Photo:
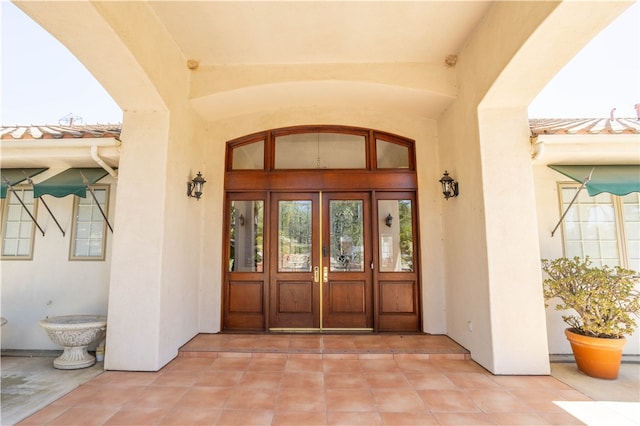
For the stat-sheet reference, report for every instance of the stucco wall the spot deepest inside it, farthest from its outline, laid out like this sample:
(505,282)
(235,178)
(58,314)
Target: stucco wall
(50,284)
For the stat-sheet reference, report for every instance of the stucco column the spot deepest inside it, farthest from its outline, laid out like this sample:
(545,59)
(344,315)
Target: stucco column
(516,304)
(133,329)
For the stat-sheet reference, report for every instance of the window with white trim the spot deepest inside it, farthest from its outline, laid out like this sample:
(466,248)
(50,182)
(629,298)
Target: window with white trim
(631,218)
(89,226)
(18,229)
(604,227)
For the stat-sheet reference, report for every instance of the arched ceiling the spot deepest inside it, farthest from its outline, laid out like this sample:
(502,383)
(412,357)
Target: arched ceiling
(256,56)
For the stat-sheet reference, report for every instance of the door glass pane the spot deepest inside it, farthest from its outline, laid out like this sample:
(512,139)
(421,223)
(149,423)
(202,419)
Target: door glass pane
(396,235)
(246,250)
(294,236)
(249,156)
(320,151)
(391,155)
(346,235)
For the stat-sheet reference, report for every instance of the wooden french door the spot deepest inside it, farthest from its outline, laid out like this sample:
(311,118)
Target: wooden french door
(321,261)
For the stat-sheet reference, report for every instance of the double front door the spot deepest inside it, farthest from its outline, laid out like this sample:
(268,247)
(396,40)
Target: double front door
(321,261)
(310,261)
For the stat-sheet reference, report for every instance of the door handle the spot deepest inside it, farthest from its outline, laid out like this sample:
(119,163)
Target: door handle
(316,274)
(325,274)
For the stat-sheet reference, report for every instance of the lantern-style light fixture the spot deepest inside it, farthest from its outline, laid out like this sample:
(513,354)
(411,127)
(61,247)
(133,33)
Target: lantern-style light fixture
(449,186)
(194,188)
(388,220)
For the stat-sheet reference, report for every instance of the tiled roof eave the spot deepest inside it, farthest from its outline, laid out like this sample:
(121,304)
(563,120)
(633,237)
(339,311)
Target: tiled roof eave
(585,126)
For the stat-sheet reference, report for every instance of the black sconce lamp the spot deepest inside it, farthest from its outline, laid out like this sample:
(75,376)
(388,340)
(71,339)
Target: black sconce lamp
(194,188)
(449,186)
(388,220)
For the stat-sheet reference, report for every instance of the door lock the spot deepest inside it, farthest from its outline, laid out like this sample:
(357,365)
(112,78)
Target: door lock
(325,274)
(316,274)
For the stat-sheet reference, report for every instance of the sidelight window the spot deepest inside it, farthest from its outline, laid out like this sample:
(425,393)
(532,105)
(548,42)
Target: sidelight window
(396,235)
(246,249)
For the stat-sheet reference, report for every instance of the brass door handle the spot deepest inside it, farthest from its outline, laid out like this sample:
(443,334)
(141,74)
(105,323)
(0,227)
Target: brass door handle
(316,274)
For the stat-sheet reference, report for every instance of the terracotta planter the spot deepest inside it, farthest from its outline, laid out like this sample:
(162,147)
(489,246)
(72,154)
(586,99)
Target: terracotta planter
(596,357)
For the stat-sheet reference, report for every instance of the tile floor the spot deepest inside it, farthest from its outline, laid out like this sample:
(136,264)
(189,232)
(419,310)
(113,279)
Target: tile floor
(314,380)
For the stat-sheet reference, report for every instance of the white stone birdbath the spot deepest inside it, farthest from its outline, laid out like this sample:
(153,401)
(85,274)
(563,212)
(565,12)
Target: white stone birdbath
(75,333)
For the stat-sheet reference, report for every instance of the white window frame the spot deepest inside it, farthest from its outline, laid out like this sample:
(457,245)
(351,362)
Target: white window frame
(618,217)
(74,231)
(24,217)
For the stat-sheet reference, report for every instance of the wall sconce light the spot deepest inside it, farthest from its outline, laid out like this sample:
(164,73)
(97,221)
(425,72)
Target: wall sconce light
(241,219)
(449,186)
(194,188)
(388,220)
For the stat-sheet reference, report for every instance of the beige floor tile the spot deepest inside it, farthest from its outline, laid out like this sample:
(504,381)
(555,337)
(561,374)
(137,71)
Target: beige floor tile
(137,416)
(298,379)
(304,365)
(190,364)
(197,398)
(230,364)
(267,364)
(176,378)
(219,378)
(298,399)
(453,401)
(345,381)
(497,401)
(251,399)
(463,419)
(386,380)
(189,416)
(246,417)
(398,400)
(111,395)
(350,400)
(458,366)
(259,379)
(341,365)
(379,365)
(430,381)
(423,366)
(560,418)
(422,418)
(126,378)
(84,416)
(83,394)
(346,418)
(157,397)
(511,419)
(45,415)
(299,418)
(473,380)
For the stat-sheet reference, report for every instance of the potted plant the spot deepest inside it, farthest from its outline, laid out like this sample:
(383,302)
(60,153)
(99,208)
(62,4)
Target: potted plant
(605,300)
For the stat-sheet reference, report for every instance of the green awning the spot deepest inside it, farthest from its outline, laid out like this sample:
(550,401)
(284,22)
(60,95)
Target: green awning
(16,176)
(620,179)
(69,182)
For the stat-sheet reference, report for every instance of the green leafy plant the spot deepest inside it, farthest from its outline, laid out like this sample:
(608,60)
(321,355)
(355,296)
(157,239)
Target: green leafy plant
(605,299)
